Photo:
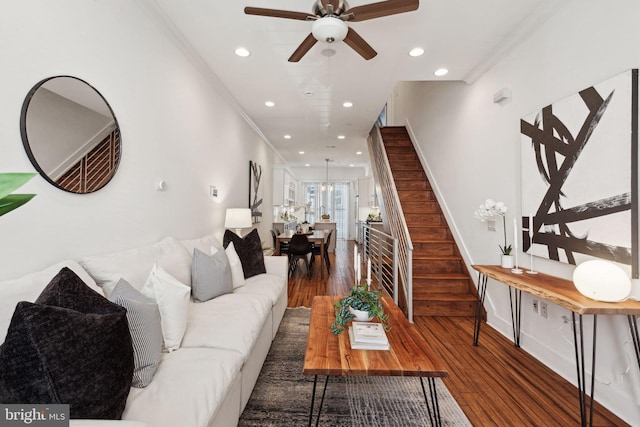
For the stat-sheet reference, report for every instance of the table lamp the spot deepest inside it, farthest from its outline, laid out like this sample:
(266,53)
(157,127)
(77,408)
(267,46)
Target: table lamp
(238,218)
(602,281)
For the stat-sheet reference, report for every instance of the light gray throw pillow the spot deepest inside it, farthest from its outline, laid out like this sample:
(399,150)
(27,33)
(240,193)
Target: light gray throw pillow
(143,316)
(210,275)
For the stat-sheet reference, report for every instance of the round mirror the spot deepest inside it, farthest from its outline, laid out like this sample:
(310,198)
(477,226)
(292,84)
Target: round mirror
(70,134)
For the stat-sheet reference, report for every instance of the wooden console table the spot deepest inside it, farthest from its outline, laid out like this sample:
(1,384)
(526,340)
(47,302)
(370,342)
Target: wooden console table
(563,293)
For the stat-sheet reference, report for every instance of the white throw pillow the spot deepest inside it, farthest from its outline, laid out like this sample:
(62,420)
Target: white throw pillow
(237,275)
(172,297)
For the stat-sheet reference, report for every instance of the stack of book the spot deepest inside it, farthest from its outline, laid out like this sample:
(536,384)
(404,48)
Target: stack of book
(368,336)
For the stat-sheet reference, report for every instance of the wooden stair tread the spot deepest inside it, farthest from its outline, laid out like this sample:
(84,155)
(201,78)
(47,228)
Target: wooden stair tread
(444,276)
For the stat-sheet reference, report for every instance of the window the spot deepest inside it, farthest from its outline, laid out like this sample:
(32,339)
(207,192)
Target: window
(335,203)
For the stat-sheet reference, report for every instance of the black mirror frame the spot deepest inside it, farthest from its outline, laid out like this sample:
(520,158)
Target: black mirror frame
(27,146)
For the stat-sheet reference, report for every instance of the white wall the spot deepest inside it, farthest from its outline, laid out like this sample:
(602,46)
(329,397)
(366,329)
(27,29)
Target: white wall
(472,147)
(175,123)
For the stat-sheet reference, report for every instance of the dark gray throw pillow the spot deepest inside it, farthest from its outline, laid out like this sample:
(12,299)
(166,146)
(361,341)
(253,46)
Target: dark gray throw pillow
(143,316)
(210,275)
(71,346)
(249,249)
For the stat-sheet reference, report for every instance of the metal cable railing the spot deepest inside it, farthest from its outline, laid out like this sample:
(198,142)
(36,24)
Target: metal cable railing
(382,249)
(393,214)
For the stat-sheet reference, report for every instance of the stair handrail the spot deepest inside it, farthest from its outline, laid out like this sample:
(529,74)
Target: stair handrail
(393,213)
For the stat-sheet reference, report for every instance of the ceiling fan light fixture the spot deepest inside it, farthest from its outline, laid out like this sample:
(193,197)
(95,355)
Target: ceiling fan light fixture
(329,29)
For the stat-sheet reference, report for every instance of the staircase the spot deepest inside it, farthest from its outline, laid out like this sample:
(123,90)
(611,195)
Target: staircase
(442,285)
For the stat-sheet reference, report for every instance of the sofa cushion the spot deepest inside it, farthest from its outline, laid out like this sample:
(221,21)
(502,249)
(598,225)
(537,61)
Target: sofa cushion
(249,249)
(210,275)
(237,275)
(268,285)
(28,287)
(172,298)
(204,244)
(72,346)
(134,265)
(143,316)
(188,389)
(231,322)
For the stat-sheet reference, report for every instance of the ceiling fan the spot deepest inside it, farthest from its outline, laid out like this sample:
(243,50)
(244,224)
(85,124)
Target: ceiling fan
(329,24)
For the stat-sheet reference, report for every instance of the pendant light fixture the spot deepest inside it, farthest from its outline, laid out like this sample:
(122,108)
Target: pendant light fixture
(326,184)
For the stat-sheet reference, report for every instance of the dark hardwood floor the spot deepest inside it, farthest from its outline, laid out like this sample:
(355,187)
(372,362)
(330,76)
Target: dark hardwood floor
(495,383)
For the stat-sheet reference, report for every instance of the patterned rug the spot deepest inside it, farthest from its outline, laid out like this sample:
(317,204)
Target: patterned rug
(282,395)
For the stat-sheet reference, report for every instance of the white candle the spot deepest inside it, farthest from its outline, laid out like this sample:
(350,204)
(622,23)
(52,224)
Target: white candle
(515,235)
(359,262)
(355,263)
(530,227)
(369,272)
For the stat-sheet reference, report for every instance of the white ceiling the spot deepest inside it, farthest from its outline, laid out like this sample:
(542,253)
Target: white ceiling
(465,36)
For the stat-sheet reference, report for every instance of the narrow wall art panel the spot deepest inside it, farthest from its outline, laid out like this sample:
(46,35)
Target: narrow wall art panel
(580,175)
(255,191)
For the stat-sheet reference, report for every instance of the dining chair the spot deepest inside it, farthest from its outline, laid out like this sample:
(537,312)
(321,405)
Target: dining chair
(284,246)
(315,250)
(299,248)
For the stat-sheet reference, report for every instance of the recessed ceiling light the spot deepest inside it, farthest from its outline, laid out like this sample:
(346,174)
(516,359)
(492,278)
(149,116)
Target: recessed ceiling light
(287,137)
(270,104)
(242,52)
(308,93)
(351,165)
(416,51)
(359,153)
(347,104)
(440,72)
(341,137)
(300,152)
(307,164)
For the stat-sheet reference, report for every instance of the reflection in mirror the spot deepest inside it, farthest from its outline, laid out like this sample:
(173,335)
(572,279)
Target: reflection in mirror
(70,134)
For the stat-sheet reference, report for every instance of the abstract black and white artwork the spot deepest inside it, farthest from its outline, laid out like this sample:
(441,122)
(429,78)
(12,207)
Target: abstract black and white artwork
(580,175)
(255,191)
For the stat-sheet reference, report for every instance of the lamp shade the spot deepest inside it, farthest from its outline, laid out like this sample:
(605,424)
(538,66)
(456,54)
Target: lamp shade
(329,29)
(602,281)
(238,218)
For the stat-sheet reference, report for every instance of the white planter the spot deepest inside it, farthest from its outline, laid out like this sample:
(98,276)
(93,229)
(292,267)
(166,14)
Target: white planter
(506,261)
(361,316)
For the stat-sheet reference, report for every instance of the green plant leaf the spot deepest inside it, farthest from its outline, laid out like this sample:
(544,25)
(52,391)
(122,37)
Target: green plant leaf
(13,201)
(9,182)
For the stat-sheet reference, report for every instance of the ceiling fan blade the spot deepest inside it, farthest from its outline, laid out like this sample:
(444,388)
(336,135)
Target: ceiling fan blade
(303,48)
(274,13)
(380,9)
(358,44)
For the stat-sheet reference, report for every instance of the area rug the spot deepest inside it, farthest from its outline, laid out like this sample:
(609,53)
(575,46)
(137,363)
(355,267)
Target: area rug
(282,395)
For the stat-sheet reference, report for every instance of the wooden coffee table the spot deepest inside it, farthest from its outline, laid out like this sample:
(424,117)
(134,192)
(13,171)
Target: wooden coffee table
(331,355)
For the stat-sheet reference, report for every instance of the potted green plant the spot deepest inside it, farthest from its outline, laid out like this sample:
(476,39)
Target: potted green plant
(8,183)
(359,299)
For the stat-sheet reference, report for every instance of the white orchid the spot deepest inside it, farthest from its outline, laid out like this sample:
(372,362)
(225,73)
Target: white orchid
(491,209)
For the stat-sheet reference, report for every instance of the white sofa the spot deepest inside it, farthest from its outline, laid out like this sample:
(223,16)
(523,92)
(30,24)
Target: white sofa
(209,379)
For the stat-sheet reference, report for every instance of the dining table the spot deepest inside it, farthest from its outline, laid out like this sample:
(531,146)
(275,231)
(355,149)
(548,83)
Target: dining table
(318,237)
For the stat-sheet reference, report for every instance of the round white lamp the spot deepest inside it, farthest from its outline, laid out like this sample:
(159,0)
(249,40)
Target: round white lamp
(602,281)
